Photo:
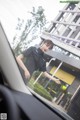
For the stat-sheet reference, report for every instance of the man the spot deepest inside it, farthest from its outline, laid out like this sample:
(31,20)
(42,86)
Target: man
(34,60)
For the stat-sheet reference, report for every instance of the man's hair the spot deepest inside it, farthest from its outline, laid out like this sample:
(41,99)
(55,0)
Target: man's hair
(49,43)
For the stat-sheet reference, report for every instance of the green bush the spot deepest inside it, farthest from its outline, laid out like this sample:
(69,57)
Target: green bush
(40,90)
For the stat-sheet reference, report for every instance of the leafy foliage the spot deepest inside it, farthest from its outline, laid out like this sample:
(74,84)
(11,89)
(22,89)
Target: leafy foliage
(29,30)
(40,90)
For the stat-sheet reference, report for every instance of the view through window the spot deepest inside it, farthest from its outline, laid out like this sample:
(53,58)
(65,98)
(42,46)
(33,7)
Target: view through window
(46,44)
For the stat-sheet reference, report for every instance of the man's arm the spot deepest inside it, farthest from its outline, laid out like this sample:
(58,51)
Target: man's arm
(21,64)
(51,77)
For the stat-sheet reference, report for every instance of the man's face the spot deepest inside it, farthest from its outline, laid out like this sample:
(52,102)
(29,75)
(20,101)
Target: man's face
(45,47)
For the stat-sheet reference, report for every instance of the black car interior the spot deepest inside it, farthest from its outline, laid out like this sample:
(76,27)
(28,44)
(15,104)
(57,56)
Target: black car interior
(22,106)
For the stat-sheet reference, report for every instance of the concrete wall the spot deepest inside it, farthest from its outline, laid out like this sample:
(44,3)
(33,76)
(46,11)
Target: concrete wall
(72,88)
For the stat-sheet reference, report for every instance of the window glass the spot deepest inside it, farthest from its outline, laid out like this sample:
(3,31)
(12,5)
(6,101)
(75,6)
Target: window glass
(25,26)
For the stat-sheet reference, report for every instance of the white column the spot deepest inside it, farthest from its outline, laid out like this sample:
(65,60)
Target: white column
(54,73)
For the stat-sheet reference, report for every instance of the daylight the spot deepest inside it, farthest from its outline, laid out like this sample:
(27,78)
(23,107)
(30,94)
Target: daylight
(11,10)
(40,54)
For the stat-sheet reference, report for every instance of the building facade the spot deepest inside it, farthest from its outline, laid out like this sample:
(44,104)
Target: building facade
(64,31)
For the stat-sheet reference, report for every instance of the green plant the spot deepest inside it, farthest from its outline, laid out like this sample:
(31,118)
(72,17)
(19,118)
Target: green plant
(40,90)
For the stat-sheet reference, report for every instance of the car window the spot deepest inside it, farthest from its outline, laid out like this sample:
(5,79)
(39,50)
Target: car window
(53,75)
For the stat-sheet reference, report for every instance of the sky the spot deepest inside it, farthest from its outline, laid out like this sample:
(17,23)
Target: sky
(10,10)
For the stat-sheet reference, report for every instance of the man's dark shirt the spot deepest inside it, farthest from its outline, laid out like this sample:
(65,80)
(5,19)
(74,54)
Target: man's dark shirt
(34,59)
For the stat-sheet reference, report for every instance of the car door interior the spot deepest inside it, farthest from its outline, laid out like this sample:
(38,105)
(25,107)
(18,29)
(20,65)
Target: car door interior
(8,104)
(15,98)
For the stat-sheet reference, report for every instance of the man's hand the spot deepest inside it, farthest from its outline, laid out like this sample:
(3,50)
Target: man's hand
(51,77)
(57,81)
(27,74)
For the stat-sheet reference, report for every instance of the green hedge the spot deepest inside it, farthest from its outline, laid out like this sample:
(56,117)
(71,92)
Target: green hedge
(40,90)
